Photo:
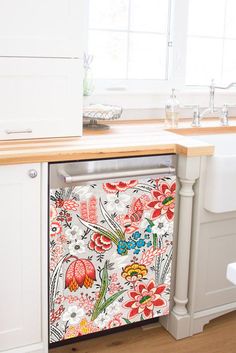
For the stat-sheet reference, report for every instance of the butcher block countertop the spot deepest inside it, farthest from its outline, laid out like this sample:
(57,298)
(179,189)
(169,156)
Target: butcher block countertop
(122,140)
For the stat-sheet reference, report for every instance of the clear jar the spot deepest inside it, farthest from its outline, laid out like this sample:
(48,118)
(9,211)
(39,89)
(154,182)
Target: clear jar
(172,111)
(88,83)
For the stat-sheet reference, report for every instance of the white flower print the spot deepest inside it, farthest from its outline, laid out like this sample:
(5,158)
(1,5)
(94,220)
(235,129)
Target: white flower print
(77,247)
(83,192)
(120,261)
(73,315)
(102,320)
(74,233)
(161,226)
(113,309)
(144,224)
(117,203)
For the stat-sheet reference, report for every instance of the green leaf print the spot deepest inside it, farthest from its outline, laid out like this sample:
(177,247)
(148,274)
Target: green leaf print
(101,305)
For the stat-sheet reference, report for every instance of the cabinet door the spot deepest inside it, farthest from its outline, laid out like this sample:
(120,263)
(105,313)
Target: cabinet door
(40,98)
(43,28)
(20,263)
(216,250)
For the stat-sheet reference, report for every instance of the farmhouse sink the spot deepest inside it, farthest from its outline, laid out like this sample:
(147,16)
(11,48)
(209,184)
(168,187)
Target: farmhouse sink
(220,191)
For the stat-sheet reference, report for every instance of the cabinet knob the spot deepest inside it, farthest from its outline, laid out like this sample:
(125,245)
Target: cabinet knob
(33,173)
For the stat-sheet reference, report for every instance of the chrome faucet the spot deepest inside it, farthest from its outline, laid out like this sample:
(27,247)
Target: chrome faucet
(223,112)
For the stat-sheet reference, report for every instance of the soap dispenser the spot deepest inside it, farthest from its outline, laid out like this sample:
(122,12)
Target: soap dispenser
(172,110)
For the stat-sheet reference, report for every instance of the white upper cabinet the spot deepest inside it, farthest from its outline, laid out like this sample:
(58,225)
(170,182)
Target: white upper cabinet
(40,97)
(42,28)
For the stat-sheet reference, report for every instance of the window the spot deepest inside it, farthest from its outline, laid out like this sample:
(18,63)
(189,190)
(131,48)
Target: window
(156,44)
(211,43)
(129,38)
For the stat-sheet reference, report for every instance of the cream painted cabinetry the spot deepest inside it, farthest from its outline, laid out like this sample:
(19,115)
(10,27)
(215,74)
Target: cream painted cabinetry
(42,28)
(41,68)
(213,248)
(23,306)
(206,244)
(40,97)
(216,249)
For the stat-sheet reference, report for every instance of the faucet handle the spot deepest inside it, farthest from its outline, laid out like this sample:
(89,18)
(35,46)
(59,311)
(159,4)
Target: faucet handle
(196,116)
(224,116)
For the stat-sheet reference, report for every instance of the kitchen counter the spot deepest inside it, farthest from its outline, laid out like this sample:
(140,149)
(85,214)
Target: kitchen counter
(123,139)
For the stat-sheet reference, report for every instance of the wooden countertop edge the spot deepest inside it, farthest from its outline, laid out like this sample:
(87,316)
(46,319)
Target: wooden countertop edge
(40,157)
(83,154)
(205,130)
(195,151)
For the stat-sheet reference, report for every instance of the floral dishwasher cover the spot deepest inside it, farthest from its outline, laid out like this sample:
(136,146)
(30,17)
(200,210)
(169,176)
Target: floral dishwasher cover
(110,254)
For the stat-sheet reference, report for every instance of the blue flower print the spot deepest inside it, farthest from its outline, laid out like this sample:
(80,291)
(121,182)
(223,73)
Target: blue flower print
(148,229)
(131,244)
(136,251)
(121,247)
(136,235)
(149,244)
(147,236)
(140,243)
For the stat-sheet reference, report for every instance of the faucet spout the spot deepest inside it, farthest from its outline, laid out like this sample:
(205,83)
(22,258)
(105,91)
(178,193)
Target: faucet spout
(211,110)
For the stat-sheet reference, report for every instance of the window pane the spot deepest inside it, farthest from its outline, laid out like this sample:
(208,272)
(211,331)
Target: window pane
(204,60)
(229,68)
(110,54)
(109,14)
(149,15)
(230,22)
(206,17)
(128,38)
(147,57)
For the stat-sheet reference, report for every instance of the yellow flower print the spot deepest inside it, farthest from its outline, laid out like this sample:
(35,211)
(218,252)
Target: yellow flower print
(134,272)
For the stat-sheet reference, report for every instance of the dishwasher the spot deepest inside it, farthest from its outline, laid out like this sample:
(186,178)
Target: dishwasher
(110,244)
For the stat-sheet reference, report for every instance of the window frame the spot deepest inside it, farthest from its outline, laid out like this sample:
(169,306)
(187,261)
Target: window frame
(139,85)
(130,91)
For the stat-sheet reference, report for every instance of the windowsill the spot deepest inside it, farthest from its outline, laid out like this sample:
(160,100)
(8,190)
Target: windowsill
(150,104)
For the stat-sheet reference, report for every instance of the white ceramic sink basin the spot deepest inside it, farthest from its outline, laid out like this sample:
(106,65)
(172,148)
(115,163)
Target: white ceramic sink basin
(220,192)
(231,273)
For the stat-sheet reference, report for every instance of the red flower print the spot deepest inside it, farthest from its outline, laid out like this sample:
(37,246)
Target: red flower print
(59,203)
(92,209)
(56,314)
(99,243)
(144,298)
(70,205)
(119,186)
(132,220)
(80,272)
(164,201)
(55,229)
(115,322)
(88,210)
(149,254)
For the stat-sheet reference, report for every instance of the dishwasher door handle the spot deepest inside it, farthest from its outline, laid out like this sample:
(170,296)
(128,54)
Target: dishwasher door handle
(113,175)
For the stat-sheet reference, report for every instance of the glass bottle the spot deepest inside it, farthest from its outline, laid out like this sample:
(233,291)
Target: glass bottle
(88,82)
(172,110)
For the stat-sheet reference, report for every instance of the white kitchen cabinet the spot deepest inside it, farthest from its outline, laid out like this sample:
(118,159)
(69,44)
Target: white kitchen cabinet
(40,97)
(206,245)
(21,259)
(217,248)
(42,28)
